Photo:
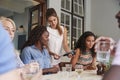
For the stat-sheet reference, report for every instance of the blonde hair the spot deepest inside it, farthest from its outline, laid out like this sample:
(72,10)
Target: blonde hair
(2,19)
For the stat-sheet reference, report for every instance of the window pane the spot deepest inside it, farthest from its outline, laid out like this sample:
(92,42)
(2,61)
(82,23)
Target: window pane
(35,17)
(68,4)
(62,3)
(74,32)
(75,1)
(74,22)
(80,10)
(79,33)
(67,19)
(80,2)
(75,8)
(62,18)
(79,23)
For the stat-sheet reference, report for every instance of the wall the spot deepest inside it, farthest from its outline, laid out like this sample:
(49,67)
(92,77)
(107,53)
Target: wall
(103,20)
(56,4)
(20,19)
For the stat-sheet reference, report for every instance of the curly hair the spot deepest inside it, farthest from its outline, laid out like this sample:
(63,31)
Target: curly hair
(35,36)
(81,43)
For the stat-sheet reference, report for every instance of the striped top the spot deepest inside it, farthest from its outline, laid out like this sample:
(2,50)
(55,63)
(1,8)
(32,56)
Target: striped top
(85,58)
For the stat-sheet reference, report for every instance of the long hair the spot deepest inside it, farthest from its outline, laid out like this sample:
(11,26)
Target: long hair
(35,36)
(81,43)
(51,12)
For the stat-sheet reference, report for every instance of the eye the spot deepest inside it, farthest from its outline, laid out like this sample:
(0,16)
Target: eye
(13,30)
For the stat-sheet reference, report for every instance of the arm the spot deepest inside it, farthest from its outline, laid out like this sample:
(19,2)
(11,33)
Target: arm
(75,58)
(94,62)
(12,75)
(25,56)
(65,43)
(17,74)
(50,70)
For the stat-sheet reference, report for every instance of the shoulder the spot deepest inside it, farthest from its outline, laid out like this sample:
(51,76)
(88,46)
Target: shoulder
(78,52)
(63,28)
(46,50)
(27,50)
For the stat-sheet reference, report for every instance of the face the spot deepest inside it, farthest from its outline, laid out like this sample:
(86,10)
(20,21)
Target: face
(10,28)
(90,40)
(52,21)
(118,18)
(45,38)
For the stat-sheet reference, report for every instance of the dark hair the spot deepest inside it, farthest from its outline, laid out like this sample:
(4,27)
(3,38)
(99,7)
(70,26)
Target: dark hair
(51,12)
(81,42)
(34,36)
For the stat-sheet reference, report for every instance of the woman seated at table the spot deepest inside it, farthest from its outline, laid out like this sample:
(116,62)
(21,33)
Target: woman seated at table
(85,54)
(34,49)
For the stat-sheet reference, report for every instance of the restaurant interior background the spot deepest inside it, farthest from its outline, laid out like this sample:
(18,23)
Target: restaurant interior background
(78,16)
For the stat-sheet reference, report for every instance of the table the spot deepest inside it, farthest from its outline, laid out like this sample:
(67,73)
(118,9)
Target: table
(85,75)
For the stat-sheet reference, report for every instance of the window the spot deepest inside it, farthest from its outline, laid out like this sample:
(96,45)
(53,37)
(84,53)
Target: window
(72,16)
(78,7)
(66,5)
(65,21)
(77,28)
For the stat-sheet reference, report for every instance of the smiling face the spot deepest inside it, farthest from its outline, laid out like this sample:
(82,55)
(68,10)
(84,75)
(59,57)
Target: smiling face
(44,38)
(90,40)
(10,28)
(52,20)
(118,18)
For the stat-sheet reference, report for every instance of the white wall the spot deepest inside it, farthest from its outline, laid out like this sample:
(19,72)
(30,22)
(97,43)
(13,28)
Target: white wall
(103,20)
(87,20)
(56,4)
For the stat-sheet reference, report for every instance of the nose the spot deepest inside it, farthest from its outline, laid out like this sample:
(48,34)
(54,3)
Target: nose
(9,31)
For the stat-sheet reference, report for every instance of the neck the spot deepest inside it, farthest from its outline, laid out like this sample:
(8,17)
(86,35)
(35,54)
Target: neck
(38,45)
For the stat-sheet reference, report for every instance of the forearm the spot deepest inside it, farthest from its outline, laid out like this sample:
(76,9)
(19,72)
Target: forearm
(50,70)
(66,48)
(51,53)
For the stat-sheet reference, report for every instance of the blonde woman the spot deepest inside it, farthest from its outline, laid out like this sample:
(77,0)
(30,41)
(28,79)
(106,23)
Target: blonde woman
(10,27)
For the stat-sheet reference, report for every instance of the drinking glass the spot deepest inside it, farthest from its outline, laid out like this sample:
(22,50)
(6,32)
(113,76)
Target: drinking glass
(79,68)
(30,70)
(103,51)
(68,67)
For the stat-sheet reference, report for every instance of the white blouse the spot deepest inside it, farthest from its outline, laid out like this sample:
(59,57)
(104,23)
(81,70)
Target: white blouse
(55,42)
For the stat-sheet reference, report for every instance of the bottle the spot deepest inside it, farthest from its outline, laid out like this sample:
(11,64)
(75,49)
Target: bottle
(71,52)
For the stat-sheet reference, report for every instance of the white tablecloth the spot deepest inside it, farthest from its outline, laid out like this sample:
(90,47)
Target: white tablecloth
(85,75)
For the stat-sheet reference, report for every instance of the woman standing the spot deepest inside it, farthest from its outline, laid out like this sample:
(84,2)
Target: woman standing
(57,36)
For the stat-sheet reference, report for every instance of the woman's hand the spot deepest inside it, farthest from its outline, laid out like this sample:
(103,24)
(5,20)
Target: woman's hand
(56,56)
(109,39)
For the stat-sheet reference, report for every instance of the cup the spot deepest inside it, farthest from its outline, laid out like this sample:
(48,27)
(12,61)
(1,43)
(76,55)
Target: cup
(30,70)
(68,67)
(103,51)
(34,66)
(78,68)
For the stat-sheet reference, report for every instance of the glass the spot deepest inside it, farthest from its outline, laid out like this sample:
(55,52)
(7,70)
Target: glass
(30,70)
(78,68)
(103,51)
(68,67)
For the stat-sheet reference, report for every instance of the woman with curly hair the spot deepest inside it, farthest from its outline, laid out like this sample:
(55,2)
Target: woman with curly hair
(85,54)
(34,49)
